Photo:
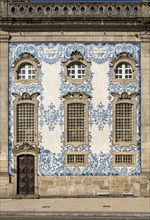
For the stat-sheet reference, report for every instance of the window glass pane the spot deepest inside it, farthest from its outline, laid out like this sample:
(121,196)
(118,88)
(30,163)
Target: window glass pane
(26,71)
(76,70)
(123,71)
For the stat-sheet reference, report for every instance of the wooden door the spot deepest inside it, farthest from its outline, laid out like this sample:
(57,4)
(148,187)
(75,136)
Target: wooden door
(25,174)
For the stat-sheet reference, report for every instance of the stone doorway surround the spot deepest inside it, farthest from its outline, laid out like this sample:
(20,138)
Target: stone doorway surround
(26,149)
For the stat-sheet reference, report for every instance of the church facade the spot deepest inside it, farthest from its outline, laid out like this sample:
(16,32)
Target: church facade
(74,113)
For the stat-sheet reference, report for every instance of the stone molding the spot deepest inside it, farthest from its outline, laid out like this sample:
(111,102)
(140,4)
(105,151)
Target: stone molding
(22,99)
(133,164)
(76,57)
(75,164)
(125,98)
(73,9)
(124,58)
(21,60)
(76,97)
(135,16)
(25,147)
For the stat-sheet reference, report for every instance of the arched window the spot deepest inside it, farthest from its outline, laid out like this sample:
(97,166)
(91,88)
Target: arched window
(76,68)
(124,71)
(124,68)
(26,69)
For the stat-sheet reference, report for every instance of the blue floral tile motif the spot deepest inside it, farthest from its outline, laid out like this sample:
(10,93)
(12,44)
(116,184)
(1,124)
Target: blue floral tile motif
(101,115)
(51,164)
(100,163)
(66,87)
(51,116)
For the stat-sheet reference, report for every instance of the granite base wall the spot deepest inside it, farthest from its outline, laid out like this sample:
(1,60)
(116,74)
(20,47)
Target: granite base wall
(84,186)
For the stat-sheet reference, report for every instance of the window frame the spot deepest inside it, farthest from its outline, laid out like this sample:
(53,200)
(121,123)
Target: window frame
(129,99)
(76,57)
(133,164)
(124,58)
(85,164)
(71,98)
(25,58)
(25,98)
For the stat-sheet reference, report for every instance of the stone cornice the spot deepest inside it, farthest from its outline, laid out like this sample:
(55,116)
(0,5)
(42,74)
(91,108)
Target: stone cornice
(69,16)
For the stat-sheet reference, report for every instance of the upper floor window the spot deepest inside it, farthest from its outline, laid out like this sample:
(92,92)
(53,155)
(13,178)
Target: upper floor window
(76,119)
(124,71)
(124,68)
(124,119)
(26,69)
(76,68)
(25,117)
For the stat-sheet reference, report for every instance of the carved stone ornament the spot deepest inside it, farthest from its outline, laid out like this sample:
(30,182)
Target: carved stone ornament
(78,95)
(26,56)
(124,56)
(26,96)
(76,55)
(124,95)
(25,147)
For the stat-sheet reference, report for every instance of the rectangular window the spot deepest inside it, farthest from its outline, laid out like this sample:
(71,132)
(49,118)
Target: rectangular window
(127,159)
(25,122)
(124,158)
(124,122)
(76,159)
(76,122)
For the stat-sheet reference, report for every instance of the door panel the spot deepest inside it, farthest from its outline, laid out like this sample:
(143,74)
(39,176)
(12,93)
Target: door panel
(25,177)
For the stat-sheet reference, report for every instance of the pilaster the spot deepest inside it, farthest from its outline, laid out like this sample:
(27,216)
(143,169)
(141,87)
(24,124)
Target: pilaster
(4,38)
(145,103)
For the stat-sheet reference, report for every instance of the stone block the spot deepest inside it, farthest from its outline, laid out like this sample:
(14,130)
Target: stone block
(136,189)
(63,191)
(62,181)
(75,180)
(87,181)
(121,180)
(143,180)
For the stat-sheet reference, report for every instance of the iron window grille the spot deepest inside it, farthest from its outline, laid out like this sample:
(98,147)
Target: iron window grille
(76,122)
(124,122)
(26,122)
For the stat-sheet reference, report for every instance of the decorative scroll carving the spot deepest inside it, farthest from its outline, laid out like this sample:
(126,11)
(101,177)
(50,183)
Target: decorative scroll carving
(26,56)
(124,95)
(78,95)
(76,55)
(124,55)
(25,147)
(26,96)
